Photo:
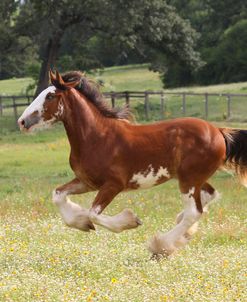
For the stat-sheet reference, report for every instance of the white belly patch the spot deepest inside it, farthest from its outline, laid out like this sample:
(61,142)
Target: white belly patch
(149,177)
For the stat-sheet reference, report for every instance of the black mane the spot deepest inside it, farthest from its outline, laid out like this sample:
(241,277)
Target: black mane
(92,92)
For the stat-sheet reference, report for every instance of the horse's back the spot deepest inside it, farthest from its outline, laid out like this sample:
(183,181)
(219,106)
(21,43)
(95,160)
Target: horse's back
(180,128)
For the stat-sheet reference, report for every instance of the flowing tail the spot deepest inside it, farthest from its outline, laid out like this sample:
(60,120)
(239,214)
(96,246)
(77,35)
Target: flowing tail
(236,152)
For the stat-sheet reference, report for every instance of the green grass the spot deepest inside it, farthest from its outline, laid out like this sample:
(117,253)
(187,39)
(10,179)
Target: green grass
(133,77)
(130,77)
(43,260)
(14,86)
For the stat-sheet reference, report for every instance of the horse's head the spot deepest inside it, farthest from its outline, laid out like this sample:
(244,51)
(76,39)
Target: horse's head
(48,107)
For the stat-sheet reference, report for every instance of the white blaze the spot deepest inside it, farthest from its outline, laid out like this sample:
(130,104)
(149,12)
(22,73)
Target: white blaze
(37,104)
(149,178)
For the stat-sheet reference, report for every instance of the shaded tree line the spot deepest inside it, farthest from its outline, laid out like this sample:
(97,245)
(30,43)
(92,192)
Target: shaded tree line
(222,25)
(187,42)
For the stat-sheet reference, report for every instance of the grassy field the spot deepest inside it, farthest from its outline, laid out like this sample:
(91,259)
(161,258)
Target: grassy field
(14,86)
(130,77)
(43,260)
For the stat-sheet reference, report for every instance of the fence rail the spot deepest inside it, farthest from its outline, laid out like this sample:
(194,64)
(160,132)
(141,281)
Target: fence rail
(14,102)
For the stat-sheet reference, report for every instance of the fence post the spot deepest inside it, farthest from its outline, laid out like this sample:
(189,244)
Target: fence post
(228,106)
(127,98)
(1,106)
(112,99)
(15,111)
(162,105)
(206,105)
(146,105)
(184,103)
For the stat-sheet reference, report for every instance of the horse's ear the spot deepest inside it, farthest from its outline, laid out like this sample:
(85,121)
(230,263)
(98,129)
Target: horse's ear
(57,80)
(52,76)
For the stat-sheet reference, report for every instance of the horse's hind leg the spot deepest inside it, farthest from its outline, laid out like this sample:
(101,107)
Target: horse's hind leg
(73,215)
(166,244)
(208,193)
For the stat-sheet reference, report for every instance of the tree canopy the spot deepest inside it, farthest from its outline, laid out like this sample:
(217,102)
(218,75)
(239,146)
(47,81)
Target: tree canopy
(222,53)
(188,42)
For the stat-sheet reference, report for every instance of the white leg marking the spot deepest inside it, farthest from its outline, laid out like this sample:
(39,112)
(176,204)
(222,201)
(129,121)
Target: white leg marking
(167,243)
(59,197)
(206,198)
(73,215)
(118,223)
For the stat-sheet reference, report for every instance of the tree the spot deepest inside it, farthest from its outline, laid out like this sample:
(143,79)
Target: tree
(16,51)
(229,60)
(212,19)
(152,28)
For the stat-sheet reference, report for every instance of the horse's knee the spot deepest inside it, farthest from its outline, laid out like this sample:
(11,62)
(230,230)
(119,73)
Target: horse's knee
(58,197)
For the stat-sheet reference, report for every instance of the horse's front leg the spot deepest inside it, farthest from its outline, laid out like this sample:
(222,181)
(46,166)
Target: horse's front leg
(73,215)
(118,223)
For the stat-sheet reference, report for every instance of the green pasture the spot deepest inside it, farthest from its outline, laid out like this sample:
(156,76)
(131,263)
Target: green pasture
(14,86)
(122,78)
(43,260)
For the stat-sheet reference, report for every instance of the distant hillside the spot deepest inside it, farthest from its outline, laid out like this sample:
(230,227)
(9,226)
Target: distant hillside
(120,78)
(131,77)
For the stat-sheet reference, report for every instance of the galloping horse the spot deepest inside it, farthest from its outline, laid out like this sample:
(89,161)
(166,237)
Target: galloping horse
(110,154)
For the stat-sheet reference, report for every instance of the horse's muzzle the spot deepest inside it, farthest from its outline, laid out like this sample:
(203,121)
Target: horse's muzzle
(26,123)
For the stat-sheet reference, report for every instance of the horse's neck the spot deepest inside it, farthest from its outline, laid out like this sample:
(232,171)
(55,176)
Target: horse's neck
(82,125)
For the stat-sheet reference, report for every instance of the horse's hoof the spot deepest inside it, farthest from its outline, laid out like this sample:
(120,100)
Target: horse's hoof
(91,226)
(158,246)
(134,221)
(158,257)
(138,221)
(87,227)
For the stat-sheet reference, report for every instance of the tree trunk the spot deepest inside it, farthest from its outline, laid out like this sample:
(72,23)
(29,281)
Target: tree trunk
(48,62)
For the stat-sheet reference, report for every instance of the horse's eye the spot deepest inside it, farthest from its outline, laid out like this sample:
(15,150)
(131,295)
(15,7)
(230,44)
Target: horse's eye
(50,96)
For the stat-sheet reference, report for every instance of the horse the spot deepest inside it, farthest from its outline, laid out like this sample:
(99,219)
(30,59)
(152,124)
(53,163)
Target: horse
(112,154)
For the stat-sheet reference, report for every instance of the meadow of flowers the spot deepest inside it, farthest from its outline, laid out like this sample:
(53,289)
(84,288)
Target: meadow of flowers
(43,260)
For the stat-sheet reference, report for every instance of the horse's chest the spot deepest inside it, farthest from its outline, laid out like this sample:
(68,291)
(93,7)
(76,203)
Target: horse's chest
(149,177)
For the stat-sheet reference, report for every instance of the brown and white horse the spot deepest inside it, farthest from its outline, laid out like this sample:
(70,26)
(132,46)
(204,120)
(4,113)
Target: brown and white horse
(111,155)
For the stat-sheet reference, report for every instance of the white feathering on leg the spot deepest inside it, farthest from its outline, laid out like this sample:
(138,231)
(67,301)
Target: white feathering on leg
(73,214)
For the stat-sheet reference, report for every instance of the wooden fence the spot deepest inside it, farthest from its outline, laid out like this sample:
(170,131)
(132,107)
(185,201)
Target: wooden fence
(13,102)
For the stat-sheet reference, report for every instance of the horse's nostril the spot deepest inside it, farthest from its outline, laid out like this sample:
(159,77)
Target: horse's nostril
(21,123)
